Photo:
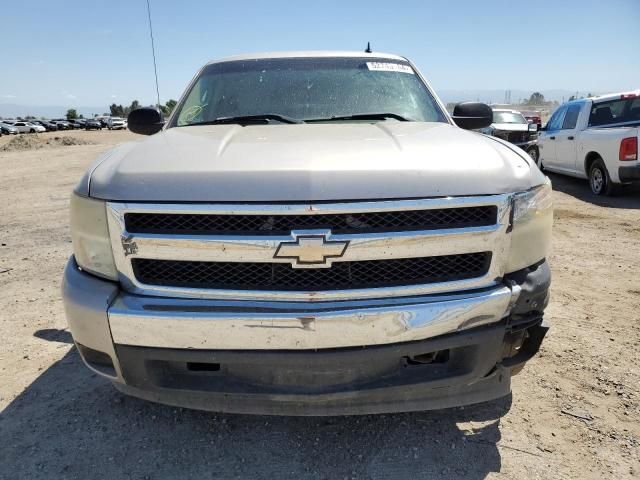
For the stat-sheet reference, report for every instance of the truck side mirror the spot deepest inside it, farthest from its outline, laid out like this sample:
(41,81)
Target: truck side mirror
(472,115)
(145,121)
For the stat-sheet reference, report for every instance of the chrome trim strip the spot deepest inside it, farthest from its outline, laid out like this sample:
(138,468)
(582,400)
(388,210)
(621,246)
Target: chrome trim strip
(173,323)
(310,208)
(366,246)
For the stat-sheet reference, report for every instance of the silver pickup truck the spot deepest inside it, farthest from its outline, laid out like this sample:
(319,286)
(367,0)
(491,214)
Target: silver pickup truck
(310,233)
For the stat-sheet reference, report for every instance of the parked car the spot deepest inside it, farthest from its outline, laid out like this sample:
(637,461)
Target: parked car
(595,138)
(92,125)
(116,123)
(8,128)
(355,250)
(28,127)
(510,125)
(49,127)
(533,117)
(62,124)
(103,121)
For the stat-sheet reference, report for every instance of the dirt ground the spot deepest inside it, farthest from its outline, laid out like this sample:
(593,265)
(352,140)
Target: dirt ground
(574,413)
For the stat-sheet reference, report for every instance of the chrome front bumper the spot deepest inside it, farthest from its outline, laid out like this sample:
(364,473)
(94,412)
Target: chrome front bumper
(302,358)
(208,324)
(101,315)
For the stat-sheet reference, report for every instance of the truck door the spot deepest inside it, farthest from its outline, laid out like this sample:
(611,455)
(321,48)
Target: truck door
(547,138)
(566,140)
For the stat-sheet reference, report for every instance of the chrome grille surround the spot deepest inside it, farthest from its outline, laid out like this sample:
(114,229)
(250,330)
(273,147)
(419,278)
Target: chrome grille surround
(261,248)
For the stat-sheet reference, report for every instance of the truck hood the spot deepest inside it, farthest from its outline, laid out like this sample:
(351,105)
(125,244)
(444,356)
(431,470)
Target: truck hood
(309,162)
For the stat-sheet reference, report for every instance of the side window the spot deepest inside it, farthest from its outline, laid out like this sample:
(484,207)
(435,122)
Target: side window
(634,110)
(555,122)
(605,113)
(571,118)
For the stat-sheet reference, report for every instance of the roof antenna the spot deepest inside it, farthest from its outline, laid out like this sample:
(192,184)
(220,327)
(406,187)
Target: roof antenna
(368,50)
(153,50)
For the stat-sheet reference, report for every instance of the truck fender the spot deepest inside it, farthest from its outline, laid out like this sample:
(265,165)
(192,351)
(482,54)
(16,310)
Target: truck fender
(588,161)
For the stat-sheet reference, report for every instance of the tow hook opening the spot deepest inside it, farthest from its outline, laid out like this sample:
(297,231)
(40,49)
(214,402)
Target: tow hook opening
(429,358)
(203,367)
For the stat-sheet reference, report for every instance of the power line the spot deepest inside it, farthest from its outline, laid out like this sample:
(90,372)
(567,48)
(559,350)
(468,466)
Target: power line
(153,50)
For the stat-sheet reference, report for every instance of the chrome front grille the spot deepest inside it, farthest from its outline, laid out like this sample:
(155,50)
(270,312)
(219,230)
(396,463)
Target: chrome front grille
(379,249)
(341,275)
(338,223)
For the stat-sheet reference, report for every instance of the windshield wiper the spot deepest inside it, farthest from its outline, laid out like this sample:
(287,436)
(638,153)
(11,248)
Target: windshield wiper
(362,116)
(245,119)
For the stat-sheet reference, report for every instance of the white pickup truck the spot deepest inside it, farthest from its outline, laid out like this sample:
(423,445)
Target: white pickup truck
(116,123)
(594,138)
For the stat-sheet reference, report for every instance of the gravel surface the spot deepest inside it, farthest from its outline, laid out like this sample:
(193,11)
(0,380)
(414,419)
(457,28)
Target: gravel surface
(36,141)
(574,412)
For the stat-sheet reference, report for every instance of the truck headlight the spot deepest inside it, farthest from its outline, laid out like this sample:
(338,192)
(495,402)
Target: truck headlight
(531,233)
(90,236)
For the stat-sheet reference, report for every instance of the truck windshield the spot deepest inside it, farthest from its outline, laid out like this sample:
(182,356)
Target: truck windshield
(508,117)
(308,89)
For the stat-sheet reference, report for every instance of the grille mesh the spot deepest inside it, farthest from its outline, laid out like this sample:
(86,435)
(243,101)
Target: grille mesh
(281,276)
(215,224)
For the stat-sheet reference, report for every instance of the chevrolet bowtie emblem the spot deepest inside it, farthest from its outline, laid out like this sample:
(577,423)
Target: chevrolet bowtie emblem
(311,251)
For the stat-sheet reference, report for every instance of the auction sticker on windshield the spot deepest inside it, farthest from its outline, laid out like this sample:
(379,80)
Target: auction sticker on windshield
(389,67)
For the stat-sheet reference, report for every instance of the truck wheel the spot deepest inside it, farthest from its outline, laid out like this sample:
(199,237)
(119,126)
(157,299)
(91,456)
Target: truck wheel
(599,179)
(534,153)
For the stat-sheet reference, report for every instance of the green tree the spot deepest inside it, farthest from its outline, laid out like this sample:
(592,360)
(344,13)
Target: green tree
(127,110)
(116,110)
(168,107)
(72,114)
(536,98)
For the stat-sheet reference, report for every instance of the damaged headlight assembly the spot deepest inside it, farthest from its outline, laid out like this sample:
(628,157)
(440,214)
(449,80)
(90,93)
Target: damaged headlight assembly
(90,236)
(532,218)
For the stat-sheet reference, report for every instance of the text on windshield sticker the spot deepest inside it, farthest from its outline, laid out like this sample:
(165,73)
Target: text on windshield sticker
(389,67)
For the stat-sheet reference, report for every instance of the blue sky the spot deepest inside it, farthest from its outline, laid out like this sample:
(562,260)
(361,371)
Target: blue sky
(93,53)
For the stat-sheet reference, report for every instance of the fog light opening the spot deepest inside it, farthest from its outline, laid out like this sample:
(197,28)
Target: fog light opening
(97,360)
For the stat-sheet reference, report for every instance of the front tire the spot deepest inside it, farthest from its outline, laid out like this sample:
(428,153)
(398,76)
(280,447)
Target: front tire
(599,180)
(534,153)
